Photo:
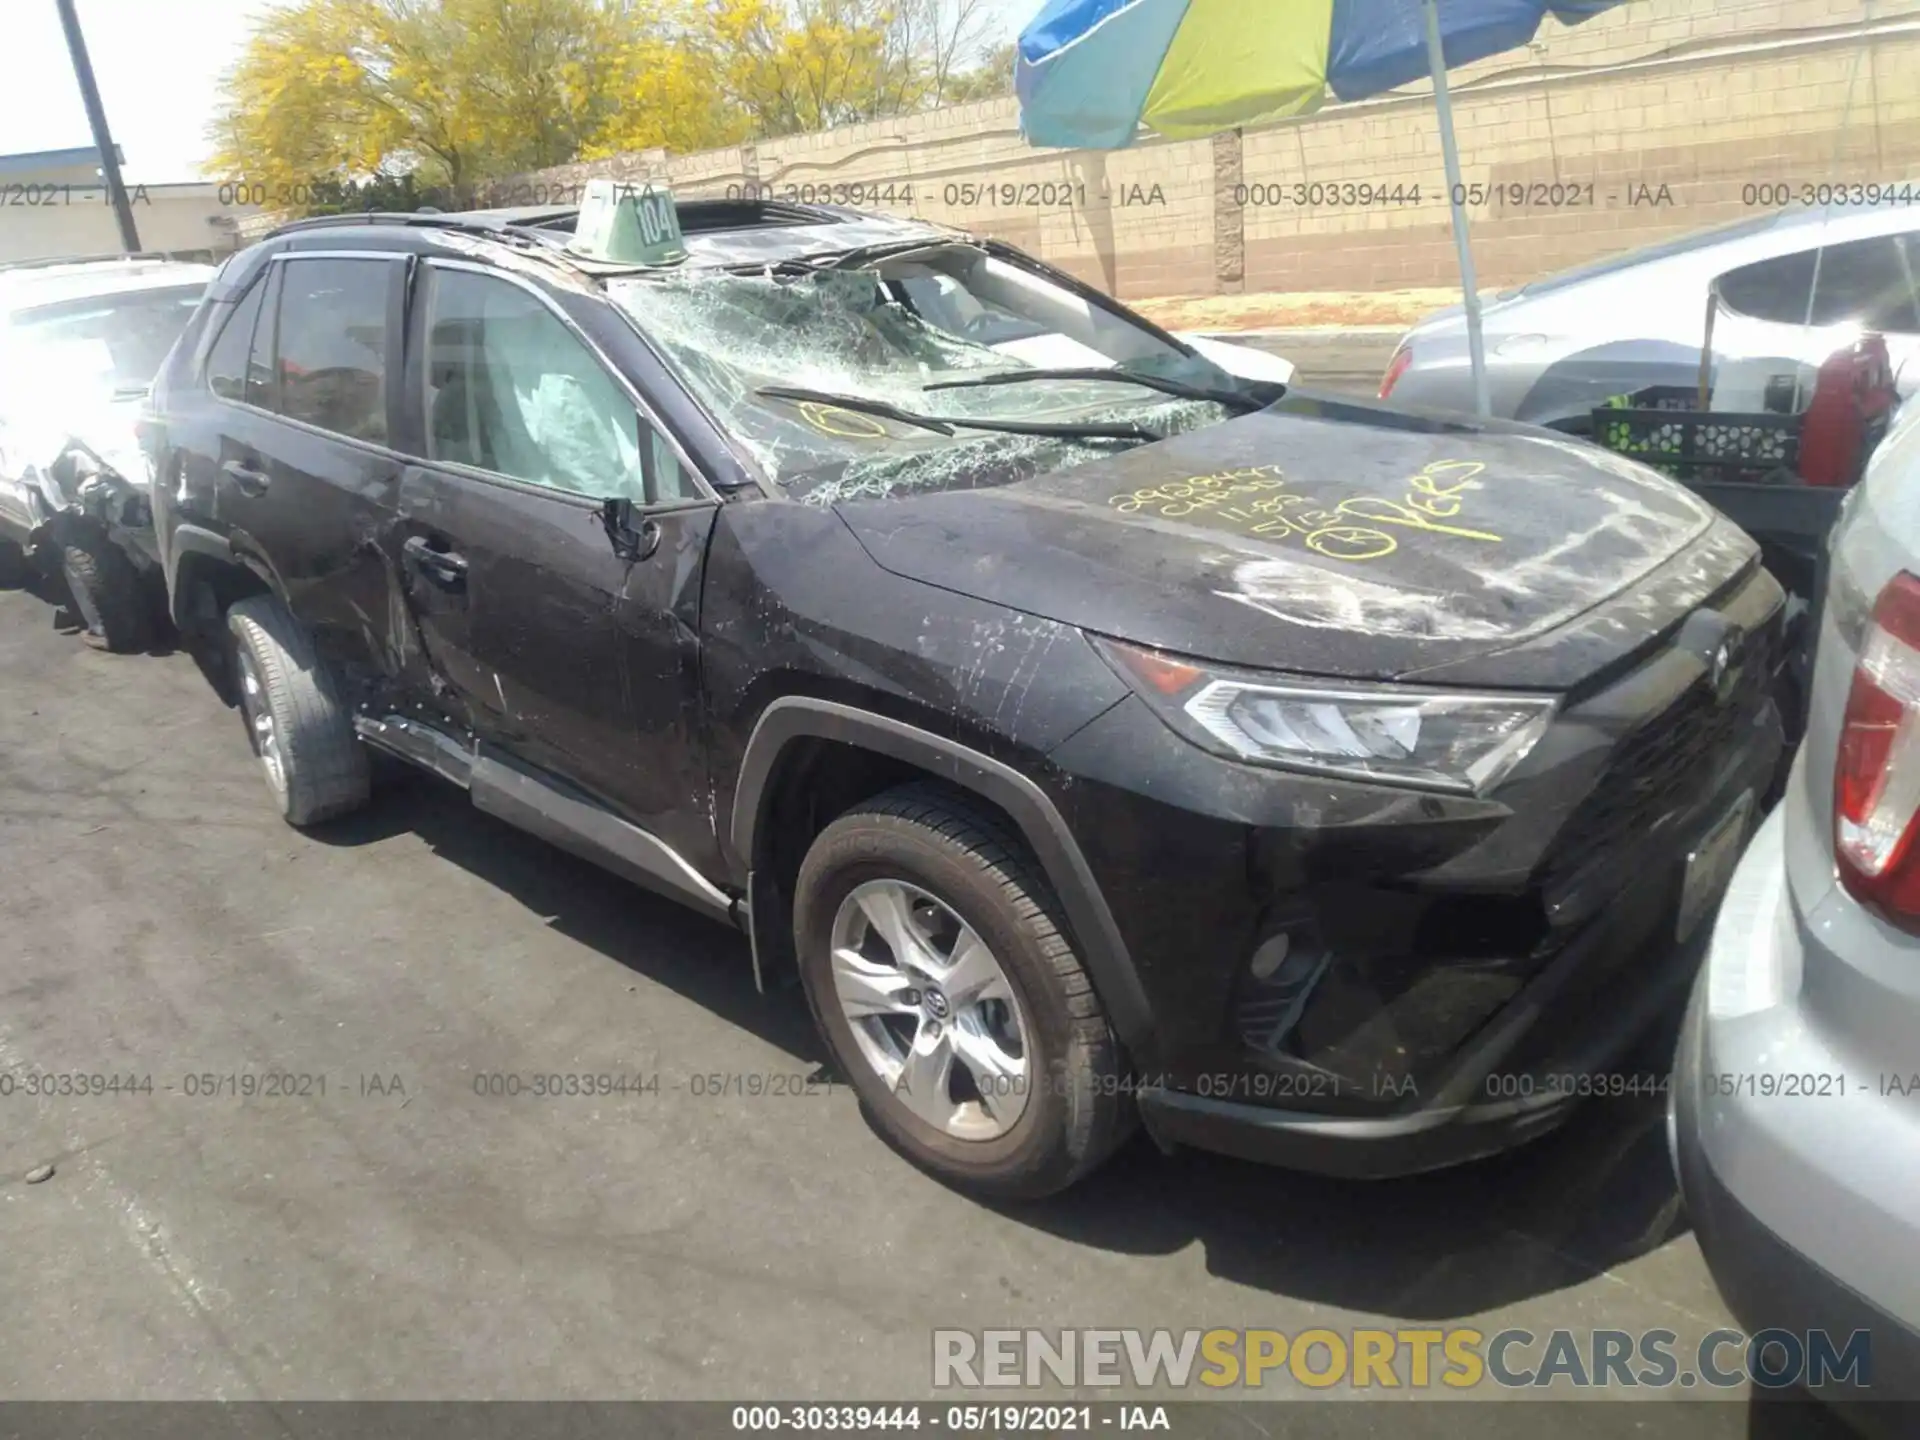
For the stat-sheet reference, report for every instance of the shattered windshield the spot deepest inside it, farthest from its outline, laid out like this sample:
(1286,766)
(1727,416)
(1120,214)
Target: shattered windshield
(116,342)
(883,336)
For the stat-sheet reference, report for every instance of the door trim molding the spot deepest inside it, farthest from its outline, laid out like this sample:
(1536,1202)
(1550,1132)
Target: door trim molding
(541,807)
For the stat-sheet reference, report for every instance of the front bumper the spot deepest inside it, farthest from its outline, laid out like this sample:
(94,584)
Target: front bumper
(1508,1107)
(1798,1163)
(121,508)
(1457,973)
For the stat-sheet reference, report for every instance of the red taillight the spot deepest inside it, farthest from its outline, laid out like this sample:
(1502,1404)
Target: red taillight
(1396,367)
(1876,774)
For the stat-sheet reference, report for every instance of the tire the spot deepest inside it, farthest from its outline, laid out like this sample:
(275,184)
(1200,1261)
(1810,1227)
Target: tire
(315,765)
(14,570)
(1071,1111)
(112,603)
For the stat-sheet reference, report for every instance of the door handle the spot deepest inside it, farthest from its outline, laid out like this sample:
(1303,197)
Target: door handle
(446,568)
(246,478)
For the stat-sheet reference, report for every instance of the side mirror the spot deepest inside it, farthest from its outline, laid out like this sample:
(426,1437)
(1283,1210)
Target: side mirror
(633,537)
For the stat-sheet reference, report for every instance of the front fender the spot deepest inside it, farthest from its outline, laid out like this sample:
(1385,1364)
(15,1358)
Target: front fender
(1039,821)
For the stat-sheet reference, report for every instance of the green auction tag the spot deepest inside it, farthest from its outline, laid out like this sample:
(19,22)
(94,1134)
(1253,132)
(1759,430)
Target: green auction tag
(627,222)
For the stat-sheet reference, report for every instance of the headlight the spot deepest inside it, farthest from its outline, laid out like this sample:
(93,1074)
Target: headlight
(1447,740)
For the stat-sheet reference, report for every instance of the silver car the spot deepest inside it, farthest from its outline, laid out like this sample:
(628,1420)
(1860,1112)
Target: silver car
(1796,1091)
(1558,347)
(79,345)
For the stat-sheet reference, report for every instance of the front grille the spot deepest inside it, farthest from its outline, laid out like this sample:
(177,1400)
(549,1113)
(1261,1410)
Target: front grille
(1659,766)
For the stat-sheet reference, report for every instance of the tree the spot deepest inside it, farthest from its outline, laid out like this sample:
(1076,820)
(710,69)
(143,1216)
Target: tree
(936,40)
(457,91)
(799,68)
(797,65)
(991,79)
(331,97)
(671,83)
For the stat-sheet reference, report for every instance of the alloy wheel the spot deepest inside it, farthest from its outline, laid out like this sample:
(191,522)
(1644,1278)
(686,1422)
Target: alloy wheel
(931,1009)
(260,726)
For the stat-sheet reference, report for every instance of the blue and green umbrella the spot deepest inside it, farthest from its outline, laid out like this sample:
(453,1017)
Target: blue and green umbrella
(1091,73)
(1096,74)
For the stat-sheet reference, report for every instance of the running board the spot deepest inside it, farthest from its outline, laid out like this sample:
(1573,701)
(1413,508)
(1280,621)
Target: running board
(423,745)
(537,805)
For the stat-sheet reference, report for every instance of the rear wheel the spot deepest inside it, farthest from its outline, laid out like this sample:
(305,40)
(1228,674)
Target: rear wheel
(299,725)
(107,594)
(939,971)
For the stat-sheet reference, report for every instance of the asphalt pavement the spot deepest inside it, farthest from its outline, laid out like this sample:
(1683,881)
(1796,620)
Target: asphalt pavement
(378,1228)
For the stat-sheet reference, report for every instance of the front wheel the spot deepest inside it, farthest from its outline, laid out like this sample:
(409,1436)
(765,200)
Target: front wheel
(941,976)
(107,592)
(300,727)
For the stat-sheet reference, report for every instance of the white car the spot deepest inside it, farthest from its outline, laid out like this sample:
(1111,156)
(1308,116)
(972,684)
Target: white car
(1796,1091)
(1560,346)
(80,343)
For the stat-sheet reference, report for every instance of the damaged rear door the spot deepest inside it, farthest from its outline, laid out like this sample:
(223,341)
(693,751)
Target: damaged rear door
(286,452)
(550,546)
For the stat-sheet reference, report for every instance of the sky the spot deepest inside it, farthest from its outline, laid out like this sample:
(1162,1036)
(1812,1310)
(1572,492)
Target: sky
(158,65)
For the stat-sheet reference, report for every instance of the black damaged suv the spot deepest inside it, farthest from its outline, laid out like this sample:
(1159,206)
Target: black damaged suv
(1095,732)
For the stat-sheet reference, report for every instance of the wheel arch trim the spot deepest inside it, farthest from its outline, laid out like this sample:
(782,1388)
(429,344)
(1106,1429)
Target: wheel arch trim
(190,539)
(1102,948)
(231,551)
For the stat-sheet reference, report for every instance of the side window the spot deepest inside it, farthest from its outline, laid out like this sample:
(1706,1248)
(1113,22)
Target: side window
(330,350)
(227,361)
(511,389)
(1866,280)
(667,480)
(260,387)
(1773,289)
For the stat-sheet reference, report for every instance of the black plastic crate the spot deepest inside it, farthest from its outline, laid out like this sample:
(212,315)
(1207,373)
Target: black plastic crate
(1663,427)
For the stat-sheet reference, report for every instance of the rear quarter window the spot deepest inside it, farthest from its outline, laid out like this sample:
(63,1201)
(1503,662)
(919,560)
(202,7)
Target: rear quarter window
(227,372)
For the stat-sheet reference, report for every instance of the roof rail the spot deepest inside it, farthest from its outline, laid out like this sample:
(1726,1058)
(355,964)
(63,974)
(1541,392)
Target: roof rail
(697,213)
(431,221)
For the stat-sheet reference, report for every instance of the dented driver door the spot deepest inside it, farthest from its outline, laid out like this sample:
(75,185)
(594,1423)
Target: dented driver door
(538,622)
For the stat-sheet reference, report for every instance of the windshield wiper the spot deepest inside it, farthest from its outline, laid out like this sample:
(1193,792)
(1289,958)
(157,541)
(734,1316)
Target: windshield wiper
(946,424)
(1119,376)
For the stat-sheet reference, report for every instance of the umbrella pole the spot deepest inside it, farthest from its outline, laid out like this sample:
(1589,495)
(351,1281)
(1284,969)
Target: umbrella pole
(1450,150)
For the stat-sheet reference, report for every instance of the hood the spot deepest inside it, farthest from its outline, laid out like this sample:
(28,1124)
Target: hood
(1337,539)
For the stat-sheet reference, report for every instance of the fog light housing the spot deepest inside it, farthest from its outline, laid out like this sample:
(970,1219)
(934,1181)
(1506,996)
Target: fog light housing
(1282,972)
(1268,955)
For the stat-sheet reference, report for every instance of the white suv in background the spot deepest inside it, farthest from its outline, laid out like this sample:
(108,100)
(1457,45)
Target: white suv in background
(1796,1096)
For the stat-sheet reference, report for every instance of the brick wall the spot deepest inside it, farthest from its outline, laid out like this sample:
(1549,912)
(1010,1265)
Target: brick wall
(1654,119)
